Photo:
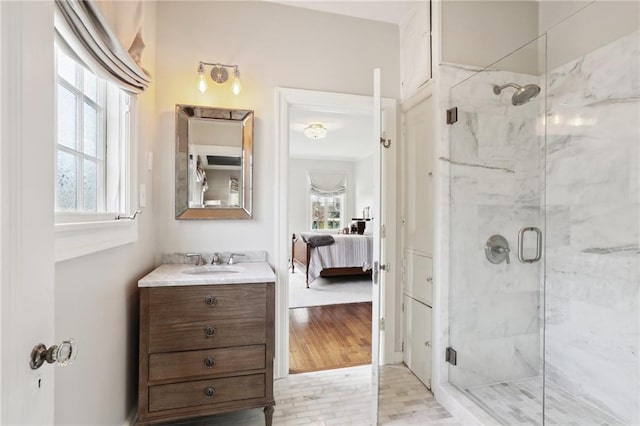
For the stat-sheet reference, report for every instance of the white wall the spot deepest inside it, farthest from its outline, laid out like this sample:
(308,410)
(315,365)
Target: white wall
(299,169)
(96,299)
(363,174)
(478,33)
(274,45)
(585,30)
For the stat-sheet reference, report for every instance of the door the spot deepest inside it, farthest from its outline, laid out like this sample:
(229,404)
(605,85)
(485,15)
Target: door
(26,209)
(417,338)
(496,209)
(378,277)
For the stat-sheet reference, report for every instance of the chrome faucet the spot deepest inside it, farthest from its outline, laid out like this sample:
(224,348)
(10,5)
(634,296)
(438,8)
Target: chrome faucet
(215,260)
(200,260)
(231,260)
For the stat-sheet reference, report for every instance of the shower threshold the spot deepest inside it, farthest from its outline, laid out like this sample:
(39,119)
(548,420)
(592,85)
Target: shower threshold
(519,402)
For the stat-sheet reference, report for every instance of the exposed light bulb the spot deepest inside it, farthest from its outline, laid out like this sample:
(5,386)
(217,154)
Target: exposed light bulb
(236,87)
(202,84)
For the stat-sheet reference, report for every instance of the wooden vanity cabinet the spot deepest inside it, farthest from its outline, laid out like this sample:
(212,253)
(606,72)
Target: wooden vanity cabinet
(205,349)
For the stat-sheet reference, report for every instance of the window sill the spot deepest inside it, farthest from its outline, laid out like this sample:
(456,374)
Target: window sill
(79,239)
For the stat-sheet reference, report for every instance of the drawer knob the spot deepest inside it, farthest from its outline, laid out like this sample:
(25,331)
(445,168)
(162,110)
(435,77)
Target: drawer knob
(209,330)
(211,301)
(209,362)
(209,391)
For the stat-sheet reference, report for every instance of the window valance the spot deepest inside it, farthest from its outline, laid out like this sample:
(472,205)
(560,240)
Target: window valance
(85,31)
(328,184)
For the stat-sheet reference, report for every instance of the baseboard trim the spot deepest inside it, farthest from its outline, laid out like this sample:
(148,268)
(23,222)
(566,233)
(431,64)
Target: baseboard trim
(397,358)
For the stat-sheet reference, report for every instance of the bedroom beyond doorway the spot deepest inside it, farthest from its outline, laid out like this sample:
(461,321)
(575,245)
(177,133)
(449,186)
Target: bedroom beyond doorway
(329,337)
(327,291)
(329,322)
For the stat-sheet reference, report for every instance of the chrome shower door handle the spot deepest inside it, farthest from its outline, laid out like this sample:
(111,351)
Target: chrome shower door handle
(521,234)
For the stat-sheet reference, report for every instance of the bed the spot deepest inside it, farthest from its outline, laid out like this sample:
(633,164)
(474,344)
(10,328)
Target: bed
(349,254)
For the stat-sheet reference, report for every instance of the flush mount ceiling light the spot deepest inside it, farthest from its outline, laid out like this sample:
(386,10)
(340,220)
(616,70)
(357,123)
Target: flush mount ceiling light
(315,131)
(220,75)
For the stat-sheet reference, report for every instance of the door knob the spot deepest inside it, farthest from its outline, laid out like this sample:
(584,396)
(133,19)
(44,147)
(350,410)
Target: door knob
(63,354)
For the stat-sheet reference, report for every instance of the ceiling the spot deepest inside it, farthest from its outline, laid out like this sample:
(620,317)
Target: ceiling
(348,137)
(394,12)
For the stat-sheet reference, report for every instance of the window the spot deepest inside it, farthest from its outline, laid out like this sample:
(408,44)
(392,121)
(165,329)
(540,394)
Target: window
(94,176)
(92,135)
(327,212)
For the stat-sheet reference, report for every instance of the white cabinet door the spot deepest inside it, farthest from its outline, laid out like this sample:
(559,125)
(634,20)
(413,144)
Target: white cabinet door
(415,48)
(418,166)
(418,278)
(417,339)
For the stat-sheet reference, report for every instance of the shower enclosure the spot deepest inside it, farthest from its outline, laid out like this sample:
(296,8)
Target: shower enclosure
(544,234)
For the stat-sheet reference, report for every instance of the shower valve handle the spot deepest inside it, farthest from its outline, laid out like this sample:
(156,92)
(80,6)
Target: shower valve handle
(497,249)
(505,250)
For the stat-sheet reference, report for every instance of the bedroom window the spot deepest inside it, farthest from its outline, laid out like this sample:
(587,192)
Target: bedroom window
(327,212)
(327,194)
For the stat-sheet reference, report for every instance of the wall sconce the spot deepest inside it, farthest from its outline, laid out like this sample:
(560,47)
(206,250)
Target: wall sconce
(219,74)
(315,131)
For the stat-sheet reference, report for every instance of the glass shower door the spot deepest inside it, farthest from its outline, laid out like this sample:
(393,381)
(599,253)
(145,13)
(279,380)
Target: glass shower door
(497,215)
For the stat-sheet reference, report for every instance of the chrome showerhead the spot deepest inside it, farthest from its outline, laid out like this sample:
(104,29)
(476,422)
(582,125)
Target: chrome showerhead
(522,95)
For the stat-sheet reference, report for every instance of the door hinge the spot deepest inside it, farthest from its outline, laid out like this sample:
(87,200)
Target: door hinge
(452,115)
(381,324)
(451,356)
(402,306)
(402,346)
(383,231)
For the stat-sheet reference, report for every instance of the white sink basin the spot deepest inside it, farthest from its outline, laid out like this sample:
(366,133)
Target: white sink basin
(214,270)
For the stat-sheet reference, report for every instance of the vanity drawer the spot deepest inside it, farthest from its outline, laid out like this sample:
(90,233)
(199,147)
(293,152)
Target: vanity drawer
(183,365)
(196,303)
(183,334)
(206,392)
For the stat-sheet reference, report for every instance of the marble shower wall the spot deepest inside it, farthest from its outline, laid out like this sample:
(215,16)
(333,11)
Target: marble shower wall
(593,207)
(495,158)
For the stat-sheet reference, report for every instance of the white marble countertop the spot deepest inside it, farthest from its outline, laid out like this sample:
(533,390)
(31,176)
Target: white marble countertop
(187,274)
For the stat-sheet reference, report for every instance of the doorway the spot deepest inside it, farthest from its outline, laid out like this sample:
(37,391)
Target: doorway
(288,102)
(330,195)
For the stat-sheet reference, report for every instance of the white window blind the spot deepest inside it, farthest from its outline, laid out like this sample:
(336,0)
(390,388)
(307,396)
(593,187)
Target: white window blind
(327,184)
(83,29)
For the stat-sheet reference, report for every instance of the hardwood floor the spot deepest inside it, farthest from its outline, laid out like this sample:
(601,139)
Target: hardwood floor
(328,337)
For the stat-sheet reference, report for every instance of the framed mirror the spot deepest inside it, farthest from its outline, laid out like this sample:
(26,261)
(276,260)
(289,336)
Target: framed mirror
(214,161)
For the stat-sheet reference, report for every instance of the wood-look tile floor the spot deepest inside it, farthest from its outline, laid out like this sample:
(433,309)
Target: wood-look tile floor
(343,397)
(329,337)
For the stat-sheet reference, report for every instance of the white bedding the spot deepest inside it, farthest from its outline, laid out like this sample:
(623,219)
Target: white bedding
(348,251)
